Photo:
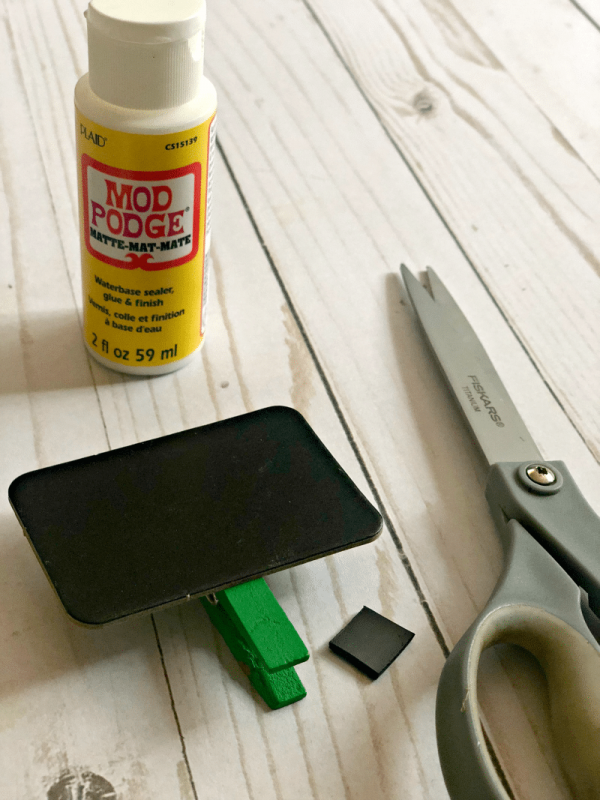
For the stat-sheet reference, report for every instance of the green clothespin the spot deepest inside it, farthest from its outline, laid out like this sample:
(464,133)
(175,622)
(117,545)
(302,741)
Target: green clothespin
(200,509)
(259,634)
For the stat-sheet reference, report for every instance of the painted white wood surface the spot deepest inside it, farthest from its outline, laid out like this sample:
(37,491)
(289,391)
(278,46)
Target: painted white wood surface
(552,51)
(352,137)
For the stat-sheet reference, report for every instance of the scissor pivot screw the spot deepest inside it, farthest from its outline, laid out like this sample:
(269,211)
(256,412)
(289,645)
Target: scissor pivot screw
(541,474)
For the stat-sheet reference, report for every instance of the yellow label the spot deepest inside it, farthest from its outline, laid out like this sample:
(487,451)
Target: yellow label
(144,208)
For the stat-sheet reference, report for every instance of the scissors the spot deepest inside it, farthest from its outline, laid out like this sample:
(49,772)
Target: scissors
(549,589)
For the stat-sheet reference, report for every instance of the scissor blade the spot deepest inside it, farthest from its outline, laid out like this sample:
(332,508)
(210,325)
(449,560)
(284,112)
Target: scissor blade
(491,414)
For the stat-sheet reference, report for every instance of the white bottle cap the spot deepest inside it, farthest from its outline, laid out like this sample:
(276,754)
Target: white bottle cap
(146,54)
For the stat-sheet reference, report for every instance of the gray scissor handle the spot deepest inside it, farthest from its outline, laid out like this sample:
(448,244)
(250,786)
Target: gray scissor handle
(537,606)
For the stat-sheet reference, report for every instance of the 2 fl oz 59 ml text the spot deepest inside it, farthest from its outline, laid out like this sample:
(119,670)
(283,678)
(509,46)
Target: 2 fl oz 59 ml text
(141,355)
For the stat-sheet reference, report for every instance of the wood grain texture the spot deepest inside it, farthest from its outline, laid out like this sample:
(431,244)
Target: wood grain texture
(519,204)
(552,52)
(351,137)
(349,269)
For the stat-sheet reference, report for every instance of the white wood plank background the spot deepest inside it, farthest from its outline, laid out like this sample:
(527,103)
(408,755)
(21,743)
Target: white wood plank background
(354,136)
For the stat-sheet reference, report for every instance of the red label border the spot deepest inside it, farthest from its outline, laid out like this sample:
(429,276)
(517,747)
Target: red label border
(115,172)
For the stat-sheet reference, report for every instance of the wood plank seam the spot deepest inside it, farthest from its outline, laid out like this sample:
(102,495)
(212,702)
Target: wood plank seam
(339,413)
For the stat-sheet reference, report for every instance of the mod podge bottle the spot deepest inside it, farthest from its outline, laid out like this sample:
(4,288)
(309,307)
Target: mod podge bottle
(145,127)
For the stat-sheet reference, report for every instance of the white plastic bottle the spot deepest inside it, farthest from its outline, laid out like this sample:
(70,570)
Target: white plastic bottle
(145,127)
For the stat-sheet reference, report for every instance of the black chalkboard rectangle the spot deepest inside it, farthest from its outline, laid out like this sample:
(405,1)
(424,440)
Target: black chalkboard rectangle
(189,514)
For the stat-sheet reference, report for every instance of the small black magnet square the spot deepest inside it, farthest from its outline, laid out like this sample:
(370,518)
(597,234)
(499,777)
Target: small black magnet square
(370,642)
